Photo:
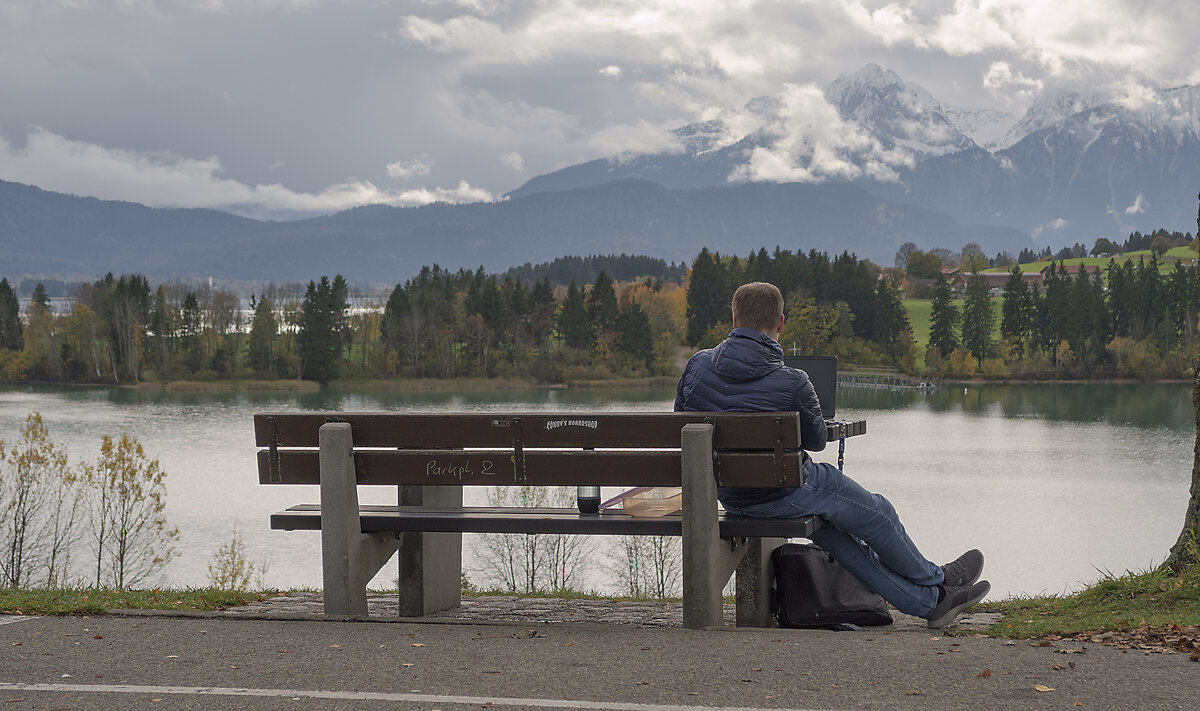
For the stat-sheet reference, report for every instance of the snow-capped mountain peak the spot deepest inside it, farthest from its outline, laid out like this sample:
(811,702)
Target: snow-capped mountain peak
(896,112)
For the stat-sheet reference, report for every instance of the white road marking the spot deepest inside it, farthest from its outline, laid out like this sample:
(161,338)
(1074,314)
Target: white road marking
(9,619)
(476,701)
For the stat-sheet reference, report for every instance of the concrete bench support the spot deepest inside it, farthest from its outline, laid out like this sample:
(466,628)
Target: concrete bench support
(430,563)
(753,582)
(708,560)
(349,557)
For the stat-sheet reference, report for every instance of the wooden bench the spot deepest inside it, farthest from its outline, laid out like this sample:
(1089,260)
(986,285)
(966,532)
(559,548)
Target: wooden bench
(430,457)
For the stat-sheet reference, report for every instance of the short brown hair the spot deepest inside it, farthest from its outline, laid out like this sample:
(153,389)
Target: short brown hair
(758,305)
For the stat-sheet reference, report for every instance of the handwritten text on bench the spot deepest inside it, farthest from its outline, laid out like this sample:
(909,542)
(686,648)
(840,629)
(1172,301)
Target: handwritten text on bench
(458,471)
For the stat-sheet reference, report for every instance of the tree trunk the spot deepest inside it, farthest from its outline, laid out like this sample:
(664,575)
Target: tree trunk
(1184,553)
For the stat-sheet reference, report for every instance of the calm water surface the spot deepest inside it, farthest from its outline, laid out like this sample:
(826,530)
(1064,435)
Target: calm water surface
(1055,483)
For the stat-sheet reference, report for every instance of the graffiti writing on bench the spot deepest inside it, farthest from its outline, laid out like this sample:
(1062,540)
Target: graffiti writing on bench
(434,468)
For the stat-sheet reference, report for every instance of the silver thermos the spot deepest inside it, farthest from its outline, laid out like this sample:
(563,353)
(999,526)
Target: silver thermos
(588,498)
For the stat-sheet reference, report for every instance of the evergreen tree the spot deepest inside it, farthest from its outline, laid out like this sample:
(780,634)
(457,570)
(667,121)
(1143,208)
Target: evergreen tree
(1016,318)
(190,332)
(261,342)
(573,319)
(943,318)
(707,304)
(636,336)
(854,281)
(324,308)
(541,310)
(1055,313)
(339,306)
(40,296)
(891,317)
(602,305)
(977,318)
(10,317)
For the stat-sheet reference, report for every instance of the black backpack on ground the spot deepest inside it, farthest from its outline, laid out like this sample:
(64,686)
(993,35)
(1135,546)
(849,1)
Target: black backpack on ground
(813,590)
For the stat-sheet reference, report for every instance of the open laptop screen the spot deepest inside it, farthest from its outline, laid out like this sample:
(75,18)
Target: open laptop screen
(822,371)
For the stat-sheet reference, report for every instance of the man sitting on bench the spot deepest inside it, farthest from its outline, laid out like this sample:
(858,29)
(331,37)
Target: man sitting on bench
(746,373)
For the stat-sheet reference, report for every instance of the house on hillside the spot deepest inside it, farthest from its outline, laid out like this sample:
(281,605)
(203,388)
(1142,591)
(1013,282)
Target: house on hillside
(996,281)
(1074,269)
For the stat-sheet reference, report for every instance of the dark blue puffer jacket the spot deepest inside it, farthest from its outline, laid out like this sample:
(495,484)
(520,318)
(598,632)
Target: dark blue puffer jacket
(745,373)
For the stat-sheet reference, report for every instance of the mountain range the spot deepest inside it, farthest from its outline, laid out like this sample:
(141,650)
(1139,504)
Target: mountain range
(1073,167)
(892,165)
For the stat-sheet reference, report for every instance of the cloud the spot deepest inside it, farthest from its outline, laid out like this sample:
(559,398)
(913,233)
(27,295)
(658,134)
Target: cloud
(1138,206)
(463,192)
(1055,224)
(408,169)
(1002,81)
(1063,38)
(513,160)
(555,82)
(809,141)
(164,179)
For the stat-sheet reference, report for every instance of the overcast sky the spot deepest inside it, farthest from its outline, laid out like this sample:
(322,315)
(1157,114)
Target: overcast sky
(271,106)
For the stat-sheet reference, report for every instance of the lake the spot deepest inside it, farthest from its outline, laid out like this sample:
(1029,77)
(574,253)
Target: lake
(1056,483)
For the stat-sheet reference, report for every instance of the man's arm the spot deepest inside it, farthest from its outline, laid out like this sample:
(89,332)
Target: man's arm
(679,399)
(813,433)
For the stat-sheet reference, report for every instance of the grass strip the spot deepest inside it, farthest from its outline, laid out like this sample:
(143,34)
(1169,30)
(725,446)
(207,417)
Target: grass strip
(1154,598)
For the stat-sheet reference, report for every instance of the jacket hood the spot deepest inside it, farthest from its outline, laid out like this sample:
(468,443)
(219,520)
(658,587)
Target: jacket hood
(748,354)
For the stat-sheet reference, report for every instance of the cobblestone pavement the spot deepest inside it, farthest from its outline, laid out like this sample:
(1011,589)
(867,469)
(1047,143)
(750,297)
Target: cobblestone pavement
(539,611)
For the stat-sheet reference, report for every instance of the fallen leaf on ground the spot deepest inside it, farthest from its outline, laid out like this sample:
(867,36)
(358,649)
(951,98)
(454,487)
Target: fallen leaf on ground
(172,656)
(1077,650)
(407,664)
(336,646)
(418,644)
(985,674)
(1058,665)
(1043,687)
(913,692)
(523,634)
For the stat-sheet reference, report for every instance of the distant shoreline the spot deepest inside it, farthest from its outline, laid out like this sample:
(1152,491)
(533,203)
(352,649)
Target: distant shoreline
(398,384)
(484,384)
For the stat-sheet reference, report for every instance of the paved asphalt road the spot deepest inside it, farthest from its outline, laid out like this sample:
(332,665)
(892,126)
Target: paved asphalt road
(190,662)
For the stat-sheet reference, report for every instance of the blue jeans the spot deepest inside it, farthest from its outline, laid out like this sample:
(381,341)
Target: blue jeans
(865,535)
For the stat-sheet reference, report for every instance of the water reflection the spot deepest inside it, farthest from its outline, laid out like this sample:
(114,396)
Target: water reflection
(1148,405)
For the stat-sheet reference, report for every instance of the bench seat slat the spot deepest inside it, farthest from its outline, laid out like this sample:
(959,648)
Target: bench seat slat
(541,468)
(743,430)
(518,520)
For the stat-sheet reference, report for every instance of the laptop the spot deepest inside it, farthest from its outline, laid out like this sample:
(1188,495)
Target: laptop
(822,371)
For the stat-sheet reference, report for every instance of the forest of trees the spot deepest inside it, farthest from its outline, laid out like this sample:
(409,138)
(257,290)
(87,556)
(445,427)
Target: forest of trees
(845,306)
(1132,321)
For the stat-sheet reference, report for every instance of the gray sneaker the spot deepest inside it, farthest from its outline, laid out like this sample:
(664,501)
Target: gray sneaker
(955,601)
(964,570)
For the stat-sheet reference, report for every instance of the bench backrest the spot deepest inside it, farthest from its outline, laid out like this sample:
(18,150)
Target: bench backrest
(548,449)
